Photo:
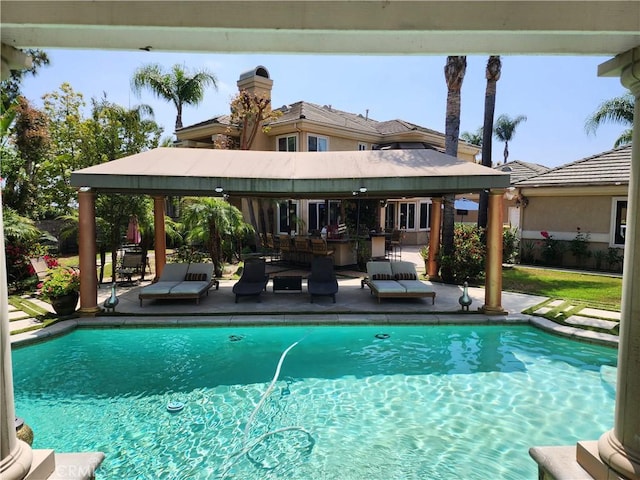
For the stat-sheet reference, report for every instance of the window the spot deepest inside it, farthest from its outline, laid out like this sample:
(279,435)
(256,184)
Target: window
(425,216)
(362,146)
(407,216)
(618,221)
(316,144)
(316,216)
(287,215)
(390,216)
(288,144)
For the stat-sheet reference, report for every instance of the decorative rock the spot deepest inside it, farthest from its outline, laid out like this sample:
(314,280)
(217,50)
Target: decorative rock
(23,431)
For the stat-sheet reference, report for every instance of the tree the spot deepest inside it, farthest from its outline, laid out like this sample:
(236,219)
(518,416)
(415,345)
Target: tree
(505,129)
(115,131)
(250,112)
(177,85)
(22,171)
(11,86)
(474,138)
(454,72)
(492,74)
(207,221)
(616,110)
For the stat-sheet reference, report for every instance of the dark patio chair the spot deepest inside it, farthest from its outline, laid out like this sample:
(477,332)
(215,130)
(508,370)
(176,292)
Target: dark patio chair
(322,280)
(253,280)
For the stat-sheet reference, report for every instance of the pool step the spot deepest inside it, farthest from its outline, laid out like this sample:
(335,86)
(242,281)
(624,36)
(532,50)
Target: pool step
(48,465)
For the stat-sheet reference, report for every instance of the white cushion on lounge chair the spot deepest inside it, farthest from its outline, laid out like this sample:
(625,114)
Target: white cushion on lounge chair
(174,272)
(193,287)
(387,286)
(403,267)
(415,286)
(379,268)
(158,288)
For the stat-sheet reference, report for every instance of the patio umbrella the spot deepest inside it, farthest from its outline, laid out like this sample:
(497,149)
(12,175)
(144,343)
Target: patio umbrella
(133,231)
(465,204)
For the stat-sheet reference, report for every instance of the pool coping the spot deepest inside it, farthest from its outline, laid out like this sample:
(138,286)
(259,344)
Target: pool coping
(67,326)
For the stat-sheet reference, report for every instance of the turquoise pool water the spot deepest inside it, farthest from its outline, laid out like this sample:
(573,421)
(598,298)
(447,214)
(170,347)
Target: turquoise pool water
(374,403)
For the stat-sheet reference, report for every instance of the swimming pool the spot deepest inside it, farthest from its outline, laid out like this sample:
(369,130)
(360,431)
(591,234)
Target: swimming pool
(351,402)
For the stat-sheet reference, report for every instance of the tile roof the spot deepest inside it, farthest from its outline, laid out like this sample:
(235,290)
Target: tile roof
(327,115)
(520,170)
(612,167)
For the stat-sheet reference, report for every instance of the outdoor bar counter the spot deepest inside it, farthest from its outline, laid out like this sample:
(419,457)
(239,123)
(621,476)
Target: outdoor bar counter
(344,251)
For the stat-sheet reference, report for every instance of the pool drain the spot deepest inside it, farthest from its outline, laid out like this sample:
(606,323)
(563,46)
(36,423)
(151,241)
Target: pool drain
(235,338)
(382,336)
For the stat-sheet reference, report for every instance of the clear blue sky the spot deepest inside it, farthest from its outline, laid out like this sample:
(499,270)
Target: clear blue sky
(556,93)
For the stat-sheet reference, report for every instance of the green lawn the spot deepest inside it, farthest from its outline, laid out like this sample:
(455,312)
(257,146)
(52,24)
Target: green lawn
(598,291)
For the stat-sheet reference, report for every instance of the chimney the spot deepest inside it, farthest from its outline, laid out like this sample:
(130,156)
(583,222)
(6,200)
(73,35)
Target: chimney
(256,81)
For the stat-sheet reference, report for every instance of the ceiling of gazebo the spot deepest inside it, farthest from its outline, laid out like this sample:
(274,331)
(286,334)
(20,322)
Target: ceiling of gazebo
(384,173)
(590,27)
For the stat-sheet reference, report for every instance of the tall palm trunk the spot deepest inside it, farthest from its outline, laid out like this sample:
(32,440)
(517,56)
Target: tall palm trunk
(494,66)
(454,72)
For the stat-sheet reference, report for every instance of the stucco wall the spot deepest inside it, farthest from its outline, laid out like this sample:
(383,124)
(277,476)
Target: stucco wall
(561,216)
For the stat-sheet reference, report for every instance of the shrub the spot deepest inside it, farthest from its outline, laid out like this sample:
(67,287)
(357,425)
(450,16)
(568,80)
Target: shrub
(467,262)
(579,246)
(551,249)
(510,244)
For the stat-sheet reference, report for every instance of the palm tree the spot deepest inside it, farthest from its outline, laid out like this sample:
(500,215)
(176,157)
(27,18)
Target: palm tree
(616,110)
(505,129)
(208,220)
(492,74)
(454,72)
(178,85)
(474,138)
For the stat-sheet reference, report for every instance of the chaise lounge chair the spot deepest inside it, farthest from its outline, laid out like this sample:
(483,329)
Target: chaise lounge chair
(180,281)
(322,280)
(396,280)
(253,280)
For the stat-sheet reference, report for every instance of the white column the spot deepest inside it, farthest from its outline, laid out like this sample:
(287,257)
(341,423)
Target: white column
(15,455)
(620,448)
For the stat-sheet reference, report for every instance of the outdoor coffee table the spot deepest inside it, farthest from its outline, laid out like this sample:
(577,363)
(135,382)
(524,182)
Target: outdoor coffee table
(287,284)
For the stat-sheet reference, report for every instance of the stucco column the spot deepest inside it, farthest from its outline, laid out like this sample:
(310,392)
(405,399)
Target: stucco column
(160,235)
(620,447)
(434,237)
(15,455)
(493,268)
(87,251)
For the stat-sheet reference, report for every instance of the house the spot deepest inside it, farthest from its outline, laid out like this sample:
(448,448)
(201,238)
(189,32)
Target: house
(307,127)
(519,171)
(586,197)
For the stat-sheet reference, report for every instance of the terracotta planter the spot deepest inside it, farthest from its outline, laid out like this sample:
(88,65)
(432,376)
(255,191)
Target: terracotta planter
(66,304)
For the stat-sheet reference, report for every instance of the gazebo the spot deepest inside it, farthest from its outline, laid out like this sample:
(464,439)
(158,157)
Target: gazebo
(202,172)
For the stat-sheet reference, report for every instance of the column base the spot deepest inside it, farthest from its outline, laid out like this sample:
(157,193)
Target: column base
(89,311)
(18,463)
(491,310)
(619,458)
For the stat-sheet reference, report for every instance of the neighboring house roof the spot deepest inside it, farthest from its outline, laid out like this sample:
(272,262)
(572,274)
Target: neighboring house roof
(612,167)
(520,170)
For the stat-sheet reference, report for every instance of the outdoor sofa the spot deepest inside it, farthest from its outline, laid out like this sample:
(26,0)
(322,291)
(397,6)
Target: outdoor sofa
(181,281)
(396,280)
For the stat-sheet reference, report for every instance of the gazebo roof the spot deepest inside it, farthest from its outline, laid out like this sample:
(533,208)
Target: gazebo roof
(199,172)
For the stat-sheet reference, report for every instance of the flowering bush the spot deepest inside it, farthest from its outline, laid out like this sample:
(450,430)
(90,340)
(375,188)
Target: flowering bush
(61,281)
(579,246)
(468,260)
(551,249)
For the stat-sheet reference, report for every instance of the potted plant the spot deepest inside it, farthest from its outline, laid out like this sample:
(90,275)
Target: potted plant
(61,288)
